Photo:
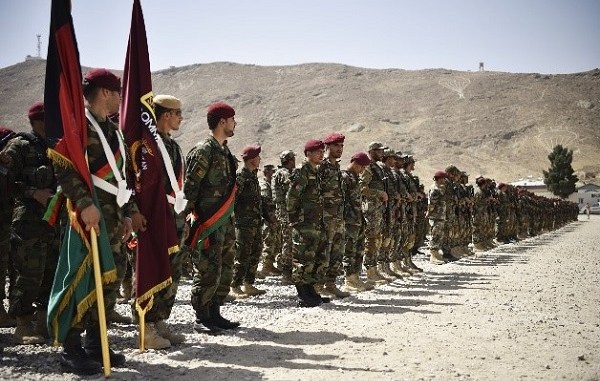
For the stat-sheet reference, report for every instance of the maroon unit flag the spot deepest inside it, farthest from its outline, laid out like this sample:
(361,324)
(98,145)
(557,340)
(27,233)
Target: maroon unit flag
(138,123)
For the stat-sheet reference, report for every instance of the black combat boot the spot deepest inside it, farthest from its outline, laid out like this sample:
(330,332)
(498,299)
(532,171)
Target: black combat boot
(304,297)
(74,358)
(204,324)
(215,316)
(313,293)
(93,347)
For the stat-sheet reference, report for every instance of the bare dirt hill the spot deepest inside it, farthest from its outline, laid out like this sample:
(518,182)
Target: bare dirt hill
(501,125)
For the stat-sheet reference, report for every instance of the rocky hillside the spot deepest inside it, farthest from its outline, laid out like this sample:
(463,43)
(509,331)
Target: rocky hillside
(501,125)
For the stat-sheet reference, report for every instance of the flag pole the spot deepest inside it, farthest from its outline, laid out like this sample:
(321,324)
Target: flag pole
(100,301)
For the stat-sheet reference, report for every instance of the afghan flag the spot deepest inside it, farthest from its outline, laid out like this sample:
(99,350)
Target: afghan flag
(138,123)
(73,291)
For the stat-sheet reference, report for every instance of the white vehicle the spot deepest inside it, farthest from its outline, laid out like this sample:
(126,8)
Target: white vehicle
(594,208)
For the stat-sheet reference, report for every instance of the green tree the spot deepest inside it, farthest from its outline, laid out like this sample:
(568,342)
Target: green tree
(559,178)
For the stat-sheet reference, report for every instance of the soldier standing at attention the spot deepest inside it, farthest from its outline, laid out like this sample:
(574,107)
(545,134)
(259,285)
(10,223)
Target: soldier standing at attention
(210,190)
(305,210)
(372,186)
(333,212)
(167,109)
(271,229)
(248,225)
(354,223)
(102,92)
(34,246)
(281,185)
(436,213)
(7,204)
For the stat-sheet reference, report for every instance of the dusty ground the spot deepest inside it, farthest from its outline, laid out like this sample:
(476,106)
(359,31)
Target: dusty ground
(526,311)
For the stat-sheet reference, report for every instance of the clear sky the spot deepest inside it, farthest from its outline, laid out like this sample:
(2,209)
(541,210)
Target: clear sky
(543,36)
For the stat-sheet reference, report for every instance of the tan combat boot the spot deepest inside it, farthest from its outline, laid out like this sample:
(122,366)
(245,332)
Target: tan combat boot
(399,268)
(237,293)
(269,269)
(374,277)
(353,284)
(332,289)
(163,330)
(25,332)
(479,246)
(249,289)
(153,340)
(385,274)
(436,257)
(5,320)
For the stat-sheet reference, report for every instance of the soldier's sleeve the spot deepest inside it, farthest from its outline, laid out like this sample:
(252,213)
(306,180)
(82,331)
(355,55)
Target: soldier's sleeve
(17,150)
(240,181)
(197,163)
(294,196)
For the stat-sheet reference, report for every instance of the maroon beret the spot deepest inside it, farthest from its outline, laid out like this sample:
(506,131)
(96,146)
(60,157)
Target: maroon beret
(103,78)
(334,137)
(36,111)
(221,110)
(360,158)
(501,185)
(440,175)
(4,132)
(250,151)
(313,145)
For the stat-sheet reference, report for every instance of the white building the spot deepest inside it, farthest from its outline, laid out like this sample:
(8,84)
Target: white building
(588,193)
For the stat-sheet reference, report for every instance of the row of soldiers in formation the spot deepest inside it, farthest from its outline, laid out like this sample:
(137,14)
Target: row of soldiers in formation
(313,222)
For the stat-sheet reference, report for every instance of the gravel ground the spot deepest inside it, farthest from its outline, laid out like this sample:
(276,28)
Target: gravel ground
(524,311)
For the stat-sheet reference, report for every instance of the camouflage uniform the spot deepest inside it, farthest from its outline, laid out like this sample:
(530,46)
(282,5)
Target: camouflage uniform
(34,242)
(271,229)
(436,212)
(165,298)
(410,213)
(354,223)
(480,211)
(7,204)
(248,223)
(210,177)
(75,189)
(281,185)
(388,254)
(333,216)
(451,220)
(372,187)
(305,210)
(502,230)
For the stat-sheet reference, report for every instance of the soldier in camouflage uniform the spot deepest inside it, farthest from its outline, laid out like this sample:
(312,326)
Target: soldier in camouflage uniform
(465,218)
(7,203)
(391,225)
(101,90)
(305,210)
(34,242)
(333,212)
(436,213)
(248,225)
(167,109)
(502,230)
(210,190)
(452,194)
(271,230)
(372,186)
(280,185)
(354,223)
(480,214)
(411,185)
